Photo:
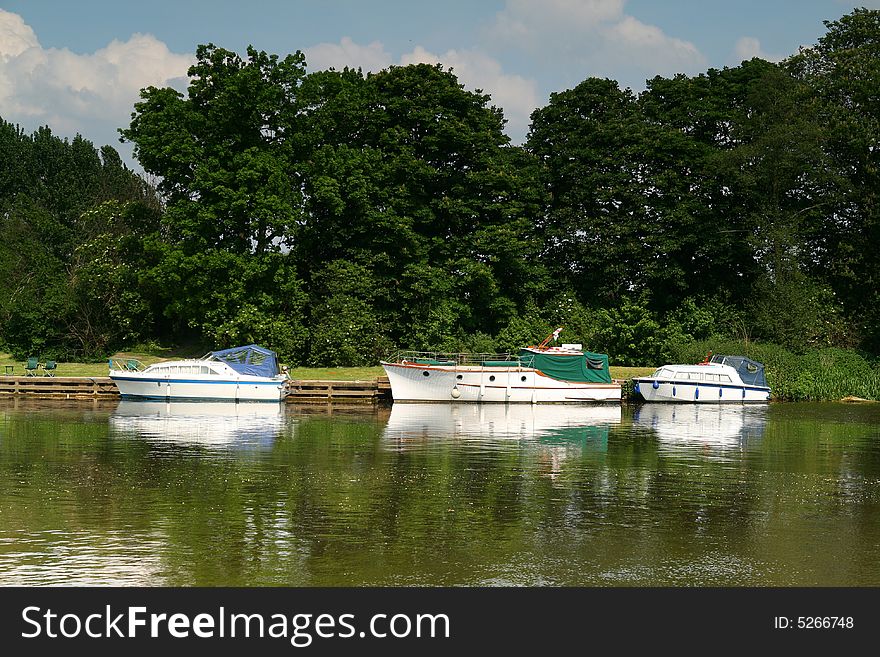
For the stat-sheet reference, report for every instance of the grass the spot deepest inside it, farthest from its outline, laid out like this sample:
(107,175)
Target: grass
(304,373)
(621,372)
(336,373)
(79,369)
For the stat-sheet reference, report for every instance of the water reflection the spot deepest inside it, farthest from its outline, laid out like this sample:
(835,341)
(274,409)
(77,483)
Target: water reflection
(212,425)
(499,421)
(721,426)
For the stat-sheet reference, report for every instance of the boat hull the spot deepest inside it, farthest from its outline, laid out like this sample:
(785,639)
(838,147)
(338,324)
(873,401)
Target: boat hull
(132,386)
(657,390)
(422,383)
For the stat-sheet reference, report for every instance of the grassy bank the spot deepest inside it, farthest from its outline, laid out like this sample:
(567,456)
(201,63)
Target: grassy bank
(817,375)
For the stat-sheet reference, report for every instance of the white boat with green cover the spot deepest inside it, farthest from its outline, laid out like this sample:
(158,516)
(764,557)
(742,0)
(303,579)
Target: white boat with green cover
(537,374)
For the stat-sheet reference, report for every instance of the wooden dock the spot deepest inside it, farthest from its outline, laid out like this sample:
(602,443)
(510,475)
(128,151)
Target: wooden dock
(321,392)
(90,387)
(59,387)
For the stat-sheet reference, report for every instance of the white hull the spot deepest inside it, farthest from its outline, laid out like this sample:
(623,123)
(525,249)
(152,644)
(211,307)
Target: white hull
(141,385)
(700,393)
(428,383)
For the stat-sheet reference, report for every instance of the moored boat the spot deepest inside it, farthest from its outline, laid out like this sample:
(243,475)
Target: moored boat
(719,379)
(248,373)
(537,374)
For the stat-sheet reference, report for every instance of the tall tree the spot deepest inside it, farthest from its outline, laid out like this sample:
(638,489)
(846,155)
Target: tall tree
(587,139)
(843,69)
(65,207)
(224,152)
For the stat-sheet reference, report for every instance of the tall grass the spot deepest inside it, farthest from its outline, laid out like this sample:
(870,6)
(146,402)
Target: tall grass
(816,375)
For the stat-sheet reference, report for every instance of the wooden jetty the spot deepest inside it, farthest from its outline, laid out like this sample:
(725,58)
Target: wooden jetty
(59,387)
(304,392)
(90,387)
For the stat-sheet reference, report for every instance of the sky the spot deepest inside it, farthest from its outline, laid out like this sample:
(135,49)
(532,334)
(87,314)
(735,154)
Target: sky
(78,66)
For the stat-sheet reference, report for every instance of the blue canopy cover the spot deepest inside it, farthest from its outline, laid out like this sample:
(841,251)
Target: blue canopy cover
(250,359)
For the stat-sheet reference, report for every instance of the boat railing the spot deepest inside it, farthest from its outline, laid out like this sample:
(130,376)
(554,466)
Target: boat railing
(439,358)
(126,364)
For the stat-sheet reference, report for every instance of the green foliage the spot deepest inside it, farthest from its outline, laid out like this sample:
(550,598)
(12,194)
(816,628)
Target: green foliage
(798,313)
(703,317)
(71,223)
(345,328)
(523,330)
(631,334)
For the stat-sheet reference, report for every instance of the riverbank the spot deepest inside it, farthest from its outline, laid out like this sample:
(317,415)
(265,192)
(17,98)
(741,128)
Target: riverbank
(296,373)
(819,375)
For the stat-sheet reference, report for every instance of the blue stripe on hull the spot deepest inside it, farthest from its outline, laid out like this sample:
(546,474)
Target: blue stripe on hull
(243,383)
(705,384)
(191,399)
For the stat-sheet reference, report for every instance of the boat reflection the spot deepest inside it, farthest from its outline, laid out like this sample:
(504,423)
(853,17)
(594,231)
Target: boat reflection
(217,425)
(546,422)
(722,426)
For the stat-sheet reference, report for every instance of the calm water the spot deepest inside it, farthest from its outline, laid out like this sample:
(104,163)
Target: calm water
(141,493)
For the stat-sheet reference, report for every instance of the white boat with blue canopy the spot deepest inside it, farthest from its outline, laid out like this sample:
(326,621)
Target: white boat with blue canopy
(719,379)
(247,373)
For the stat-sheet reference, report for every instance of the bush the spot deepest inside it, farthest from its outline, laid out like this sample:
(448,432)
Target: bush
(631,335)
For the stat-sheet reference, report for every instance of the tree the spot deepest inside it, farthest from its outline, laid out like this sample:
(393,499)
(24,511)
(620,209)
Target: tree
(224,152)
(843,70)
(595,232)
(66,210)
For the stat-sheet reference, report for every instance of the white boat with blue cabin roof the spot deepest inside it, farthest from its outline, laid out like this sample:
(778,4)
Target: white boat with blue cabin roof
(718,379)
(248,373)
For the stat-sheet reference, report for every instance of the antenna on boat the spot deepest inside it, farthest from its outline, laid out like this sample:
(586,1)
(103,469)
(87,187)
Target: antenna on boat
(552,336)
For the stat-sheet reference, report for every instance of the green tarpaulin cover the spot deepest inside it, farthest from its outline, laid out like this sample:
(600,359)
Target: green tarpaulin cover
(588,368)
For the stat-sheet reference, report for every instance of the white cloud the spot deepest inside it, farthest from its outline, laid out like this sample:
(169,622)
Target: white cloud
(17,36)
(372,57)
(583,38)
(527,22)
(748,47)
(92,94)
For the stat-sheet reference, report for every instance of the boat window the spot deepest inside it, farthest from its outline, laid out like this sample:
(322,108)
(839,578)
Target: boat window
(682,375)
(666,372)
(711,377)
(656,373)
(206,370)
(725,378)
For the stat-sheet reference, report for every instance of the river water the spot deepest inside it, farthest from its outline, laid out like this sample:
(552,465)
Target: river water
(143,493)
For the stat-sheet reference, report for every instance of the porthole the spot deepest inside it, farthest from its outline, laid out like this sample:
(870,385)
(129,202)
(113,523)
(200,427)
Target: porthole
(426,373)
(492,378)
(459,377)
(522,378)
